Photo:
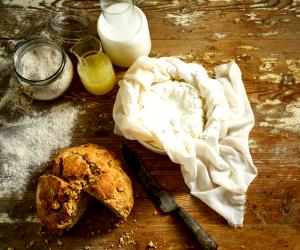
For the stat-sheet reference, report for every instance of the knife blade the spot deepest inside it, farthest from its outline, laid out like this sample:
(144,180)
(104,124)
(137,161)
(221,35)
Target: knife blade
(164,199)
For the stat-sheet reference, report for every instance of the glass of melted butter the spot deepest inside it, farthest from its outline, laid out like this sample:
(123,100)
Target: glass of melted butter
(94,67)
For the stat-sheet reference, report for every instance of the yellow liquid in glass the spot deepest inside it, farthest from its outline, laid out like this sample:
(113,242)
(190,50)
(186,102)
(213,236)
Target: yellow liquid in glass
(97,74)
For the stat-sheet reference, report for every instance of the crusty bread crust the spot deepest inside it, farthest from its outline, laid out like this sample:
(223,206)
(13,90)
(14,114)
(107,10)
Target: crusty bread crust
(87,170)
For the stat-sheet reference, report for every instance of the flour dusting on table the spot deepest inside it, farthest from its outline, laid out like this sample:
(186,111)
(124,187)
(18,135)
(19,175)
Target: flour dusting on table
(28,143)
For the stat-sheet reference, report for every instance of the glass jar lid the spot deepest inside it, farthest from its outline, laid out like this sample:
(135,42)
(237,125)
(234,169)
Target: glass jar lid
(69,27)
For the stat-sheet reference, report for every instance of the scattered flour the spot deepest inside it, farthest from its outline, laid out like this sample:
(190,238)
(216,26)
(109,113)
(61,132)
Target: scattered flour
(28,143)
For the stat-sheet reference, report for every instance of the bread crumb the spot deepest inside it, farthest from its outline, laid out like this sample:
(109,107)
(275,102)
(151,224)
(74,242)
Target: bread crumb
(237,20)
(46,242)
(59,242)
(87,248)
(155,212)
(152,245)
(218,35)
(247,47)
(126,240)
(120,223)
(31,243)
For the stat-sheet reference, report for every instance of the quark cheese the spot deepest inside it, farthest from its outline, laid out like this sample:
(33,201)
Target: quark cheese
(172,107)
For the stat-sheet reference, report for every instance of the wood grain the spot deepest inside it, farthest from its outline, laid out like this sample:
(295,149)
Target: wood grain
(263,37)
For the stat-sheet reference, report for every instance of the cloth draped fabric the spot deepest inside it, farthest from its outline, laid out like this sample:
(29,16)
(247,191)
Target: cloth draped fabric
(215,159)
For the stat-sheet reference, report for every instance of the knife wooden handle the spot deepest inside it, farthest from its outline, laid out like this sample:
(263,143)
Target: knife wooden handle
(201,236)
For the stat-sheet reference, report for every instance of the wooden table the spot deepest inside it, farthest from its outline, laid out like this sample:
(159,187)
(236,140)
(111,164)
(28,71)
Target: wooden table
(263,37)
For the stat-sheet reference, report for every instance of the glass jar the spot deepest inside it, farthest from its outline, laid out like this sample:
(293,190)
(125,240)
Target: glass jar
(43,68)
(69,27)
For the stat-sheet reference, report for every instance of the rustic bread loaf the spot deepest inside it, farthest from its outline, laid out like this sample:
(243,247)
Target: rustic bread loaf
(95,172)
(100,173)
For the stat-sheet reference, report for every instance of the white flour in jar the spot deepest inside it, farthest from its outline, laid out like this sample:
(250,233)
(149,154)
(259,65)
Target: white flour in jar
(41,63)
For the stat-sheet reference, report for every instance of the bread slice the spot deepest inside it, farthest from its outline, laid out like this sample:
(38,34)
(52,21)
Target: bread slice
(59,204)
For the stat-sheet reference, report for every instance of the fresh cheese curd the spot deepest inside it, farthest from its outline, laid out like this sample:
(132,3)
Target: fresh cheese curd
(161,103)
(172,107)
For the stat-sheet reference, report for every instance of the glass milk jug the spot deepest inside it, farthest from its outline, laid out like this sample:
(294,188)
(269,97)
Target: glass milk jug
(123,30)
(94,67)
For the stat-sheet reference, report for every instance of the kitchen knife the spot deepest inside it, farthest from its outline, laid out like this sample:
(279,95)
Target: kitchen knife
(165,201)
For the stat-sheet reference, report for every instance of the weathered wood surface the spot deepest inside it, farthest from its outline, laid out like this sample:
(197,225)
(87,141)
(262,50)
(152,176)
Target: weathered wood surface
(264,38)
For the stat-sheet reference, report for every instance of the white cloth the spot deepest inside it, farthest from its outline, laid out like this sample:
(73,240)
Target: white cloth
(215,160)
